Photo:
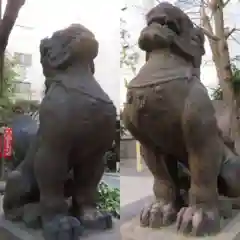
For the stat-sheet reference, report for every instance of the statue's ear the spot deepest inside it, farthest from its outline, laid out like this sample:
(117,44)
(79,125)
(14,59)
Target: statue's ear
(85,46)
(198,37)
(55,52)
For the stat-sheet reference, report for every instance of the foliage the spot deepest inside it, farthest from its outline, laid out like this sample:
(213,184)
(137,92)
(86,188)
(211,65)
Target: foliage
(6,104)
(236,79)
(218,93)
(129,55)
(9,74)
(109,199)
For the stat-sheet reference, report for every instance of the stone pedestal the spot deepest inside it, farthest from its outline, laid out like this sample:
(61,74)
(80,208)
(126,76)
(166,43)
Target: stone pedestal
(17,231)
(132,231)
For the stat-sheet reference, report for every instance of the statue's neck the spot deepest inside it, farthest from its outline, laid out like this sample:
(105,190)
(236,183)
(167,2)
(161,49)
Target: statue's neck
(160,51)
(167,58)
(78,68)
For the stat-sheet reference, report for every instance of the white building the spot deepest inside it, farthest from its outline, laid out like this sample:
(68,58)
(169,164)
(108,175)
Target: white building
(22,46)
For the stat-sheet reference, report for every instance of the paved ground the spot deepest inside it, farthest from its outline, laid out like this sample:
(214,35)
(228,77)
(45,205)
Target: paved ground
(136,189)
(113,180)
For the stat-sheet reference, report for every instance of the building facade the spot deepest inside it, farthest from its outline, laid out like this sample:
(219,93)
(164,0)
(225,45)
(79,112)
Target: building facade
(22,44)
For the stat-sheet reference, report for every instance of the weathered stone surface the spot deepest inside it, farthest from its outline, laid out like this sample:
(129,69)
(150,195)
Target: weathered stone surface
(170,128)
(32,216)
(131,230)
(67,61)
(17,231)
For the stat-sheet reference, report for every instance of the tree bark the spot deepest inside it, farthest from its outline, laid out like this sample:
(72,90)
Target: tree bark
(221,58)
(9,18)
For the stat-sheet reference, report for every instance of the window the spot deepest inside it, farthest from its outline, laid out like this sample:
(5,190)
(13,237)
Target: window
(21,87)
(22,72)
(23,59)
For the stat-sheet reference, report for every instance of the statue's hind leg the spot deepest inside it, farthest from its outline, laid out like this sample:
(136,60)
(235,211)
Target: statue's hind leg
(205,154)
(163,211)
(87,175)
(21,186)
(51,169)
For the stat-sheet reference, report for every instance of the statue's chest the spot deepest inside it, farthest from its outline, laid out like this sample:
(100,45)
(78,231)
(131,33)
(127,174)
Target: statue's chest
(161,68)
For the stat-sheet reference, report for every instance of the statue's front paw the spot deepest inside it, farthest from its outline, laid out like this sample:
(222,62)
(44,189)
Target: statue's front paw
(14,214)
(62,228)
(198,221)
(158,214)
(93,218)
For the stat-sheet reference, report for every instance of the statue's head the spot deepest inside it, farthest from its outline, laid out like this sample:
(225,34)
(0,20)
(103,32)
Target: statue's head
(75,44)
(164,23)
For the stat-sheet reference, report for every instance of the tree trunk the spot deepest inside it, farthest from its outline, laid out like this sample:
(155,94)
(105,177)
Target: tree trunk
(9,18)
(221,59)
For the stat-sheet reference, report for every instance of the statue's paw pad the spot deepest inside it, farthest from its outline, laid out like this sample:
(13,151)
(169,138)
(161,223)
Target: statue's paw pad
(62,228)
(157,215)
(196,221)
(32,215)
(96,219)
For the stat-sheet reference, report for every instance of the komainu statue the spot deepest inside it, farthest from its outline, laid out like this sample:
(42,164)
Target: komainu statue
(77,126)
(169,111)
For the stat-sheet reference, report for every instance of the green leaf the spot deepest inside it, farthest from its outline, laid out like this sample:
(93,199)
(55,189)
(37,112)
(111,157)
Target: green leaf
(109,199)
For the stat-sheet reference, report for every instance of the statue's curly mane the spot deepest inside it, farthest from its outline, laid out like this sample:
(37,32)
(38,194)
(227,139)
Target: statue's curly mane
(169,27)
(74,44)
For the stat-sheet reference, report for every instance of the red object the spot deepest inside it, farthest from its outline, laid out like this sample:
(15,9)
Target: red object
(6,148)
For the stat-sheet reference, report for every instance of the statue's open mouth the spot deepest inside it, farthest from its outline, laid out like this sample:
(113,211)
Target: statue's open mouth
(163,21)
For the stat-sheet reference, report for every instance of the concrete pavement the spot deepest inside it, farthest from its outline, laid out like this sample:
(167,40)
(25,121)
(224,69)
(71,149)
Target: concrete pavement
(112,179)
(136,189)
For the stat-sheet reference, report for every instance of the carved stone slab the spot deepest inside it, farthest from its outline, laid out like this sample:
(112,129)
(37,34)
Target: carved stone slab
(132,231)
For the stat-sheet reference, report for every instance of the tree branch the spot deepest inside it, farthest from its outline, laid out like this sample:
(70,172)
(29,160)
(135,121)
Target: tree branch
(226,3)
(206,26)
(209,35)
(234,39)
(228,32)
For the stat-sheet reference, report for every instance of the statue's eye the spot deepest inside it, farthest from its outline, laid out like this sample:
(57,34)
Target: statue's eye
(163,21)
(159,20)
(173,26)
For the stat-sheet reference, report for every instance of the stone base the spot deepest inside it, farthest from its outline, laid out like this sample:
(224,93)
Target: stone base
(17,231)
(132,231)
